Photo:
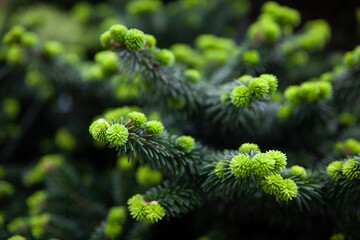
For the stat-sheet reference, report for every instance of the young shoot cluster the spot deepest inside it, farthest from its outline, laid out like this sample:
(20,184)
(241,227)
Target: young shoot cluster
(352,58)
(38,224)
(115,221)
(17,237)
(36,201)
(349,169)
(272,23)
(18,39)
(215,50)
(192,75)
(106,64)
(317,34)
(111,114)
(6,189)
(282,189)
(348,147)
(135,40)
(210,50)
(264,166)
(282,15)
(264,30)
(147,177)
(251,57)
(185,143)
(300,171)
(117,134)
(142,210)
(253,88)
(308,92)
(46,164)
(139,7)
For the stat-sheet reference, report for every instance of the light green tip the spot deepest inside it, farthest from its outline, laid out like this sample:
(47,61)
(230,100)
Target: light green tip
(98,129)
(186,143)
(105,39)
(17,237)
(192,75)
(298,170)
(240,166)
(240,96)
(272,184)
(220,169)
(287,191)
(272,81)
(150,40)
(251,57)
(165,57)
(259,88)
(154,127)
(334,169)
(262,164)
(135,40)
(351,169)
(148,177)
(118,33)
(137,118)
(154,212)
(117,134)
(247,147)
(280,159)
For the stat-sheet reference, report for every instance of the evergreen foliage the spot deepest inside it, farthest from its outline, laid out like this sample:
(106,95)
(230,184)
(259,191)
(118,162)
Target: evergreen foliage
(136,119)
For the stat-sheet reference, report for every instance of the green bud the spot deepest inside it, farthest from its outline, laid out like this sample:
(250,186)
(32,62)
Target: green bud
(154,127)
(6,189)
(240,166)
(38,225)
(240,96)
(105,39)
(165,57)
(118,33)
(247,147)
(98,129)
(14,55)
(220,169)
(64,139)
(272,184)
(17,237)
(287,191)
(14,35)
(280,159)
(154,212)
(334,169)
(259,88)
(351,169)
(135,40)
(298,170)
(245,79)
(124,163)
(262,164)
(271,80)
(251,57)
(150,40)
(148,177)
(53,48)
(29,39)
(192,75)
(137,118)
(11,107)
(186,143)
(117,134)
